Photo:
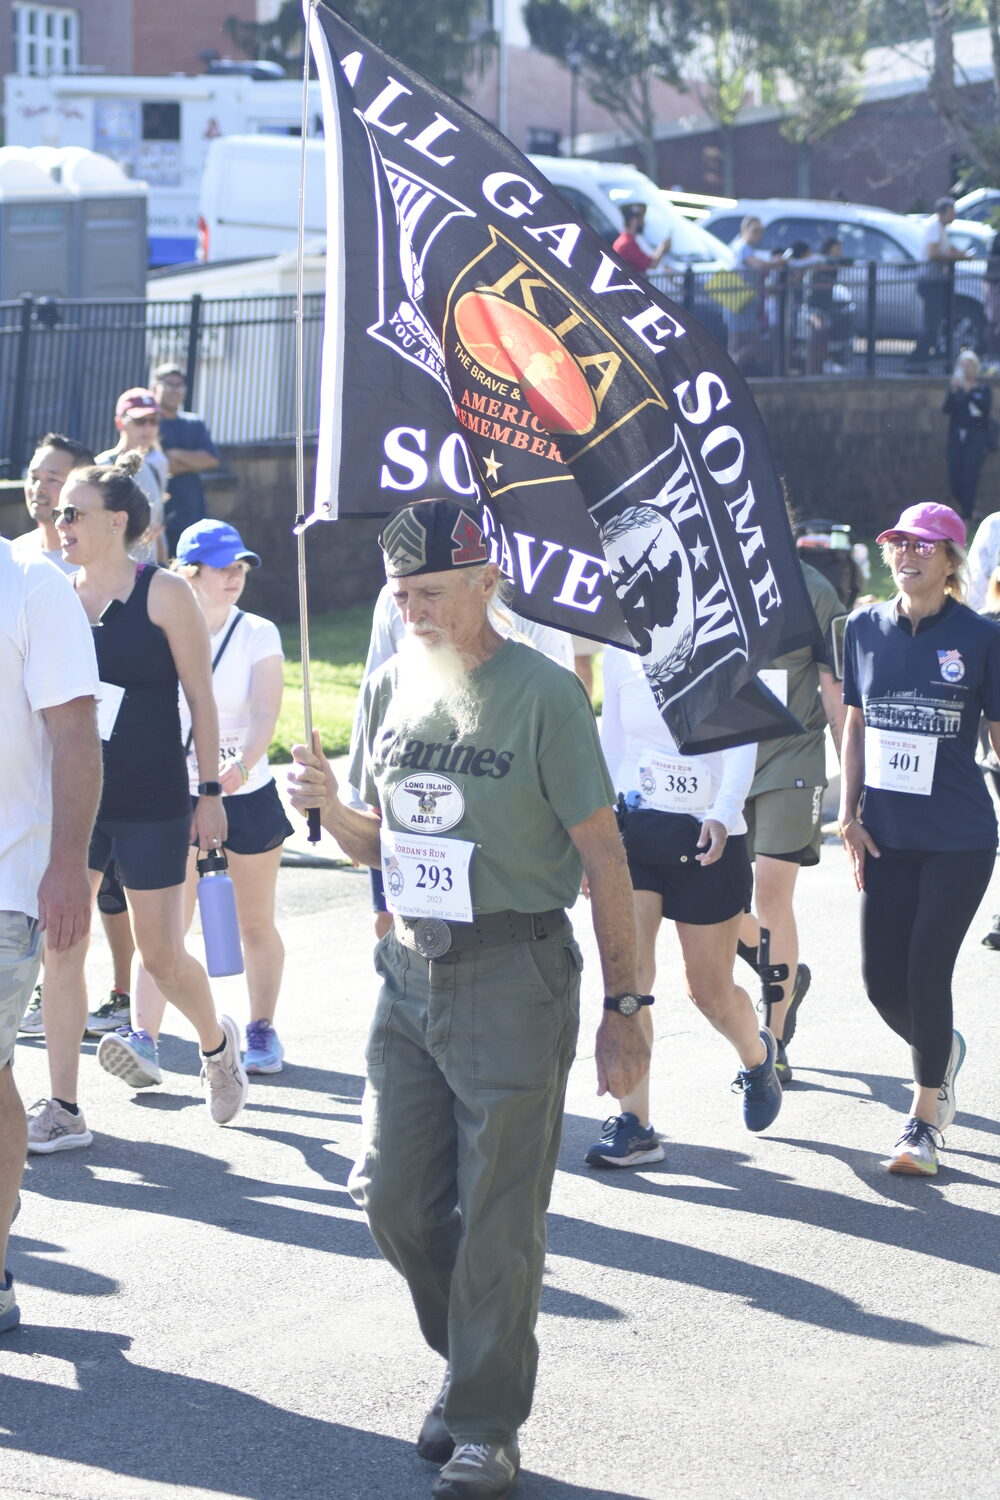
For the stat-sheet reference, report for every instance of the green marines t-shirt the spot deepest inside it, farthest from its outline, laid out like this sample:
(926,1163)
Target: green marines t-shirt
(800,759)
(532,768)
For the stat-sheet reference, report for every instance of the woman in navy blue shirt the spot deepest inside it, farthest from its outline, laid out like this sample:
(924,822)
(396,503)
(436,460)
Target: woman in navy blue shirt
(915,816)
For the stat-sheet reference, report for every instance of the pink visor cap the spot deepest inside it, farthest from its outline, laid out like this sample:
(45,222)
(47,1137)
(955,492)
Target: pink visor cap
(930,522)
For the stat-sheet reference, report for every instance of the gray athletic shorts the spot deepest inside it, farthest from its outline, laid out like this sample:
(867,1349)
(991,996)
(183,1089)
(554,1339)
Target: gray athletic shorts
(20,960)
(786,824)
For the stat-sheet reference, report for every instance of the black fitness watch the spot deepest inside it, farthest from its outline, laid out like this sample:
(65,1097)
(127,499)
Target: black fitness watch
(210,789)
(627,1005)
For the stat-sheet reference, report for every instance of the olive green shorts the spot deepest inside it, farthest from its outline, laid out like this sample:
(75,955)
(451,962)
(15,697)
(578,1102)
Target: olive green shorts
(786,824)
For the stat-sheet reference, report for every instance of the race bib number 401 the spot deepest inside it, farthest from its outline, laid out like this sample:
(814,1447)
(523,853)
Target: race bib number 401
(899,762)
(427,877)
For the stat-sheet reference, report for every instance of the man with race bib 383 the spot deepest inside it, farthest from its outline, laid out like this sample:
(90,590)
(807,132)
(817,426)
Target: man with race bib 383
(916,816)
(489,798)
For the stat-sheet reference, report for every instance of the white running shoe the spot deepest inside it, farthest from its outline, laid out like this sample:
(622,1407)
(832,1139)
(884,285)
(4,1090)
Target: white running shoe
(223,1077)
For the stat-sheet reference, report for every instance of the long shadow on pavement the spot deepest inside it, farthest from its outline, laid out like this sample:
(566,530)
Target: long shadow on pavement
(182,1431)
(187,1184)
(732,1181)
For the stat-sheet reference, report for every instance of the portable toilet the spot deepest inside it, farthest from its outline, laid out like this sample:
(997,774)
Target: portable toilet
(108,224)
(36,245)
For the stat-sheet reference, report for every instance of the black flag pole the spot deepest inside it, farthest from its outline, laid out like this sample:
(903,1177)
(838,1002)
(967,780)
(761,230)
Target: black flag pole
(300,450)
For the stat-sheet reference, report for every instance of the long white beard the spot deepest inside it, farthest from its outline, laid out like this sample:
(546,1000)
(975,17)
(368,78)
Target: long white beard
(433,678)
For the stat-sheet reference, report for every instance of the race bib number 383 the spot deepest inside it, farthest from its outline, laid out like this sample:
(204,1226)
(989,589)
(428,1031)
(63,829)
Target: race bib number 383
(900,762)
(427,877)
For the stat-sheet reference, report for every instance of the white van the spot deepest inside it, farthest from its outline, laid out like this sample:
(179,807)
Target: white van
(598,189)
(249,199)
(159,130)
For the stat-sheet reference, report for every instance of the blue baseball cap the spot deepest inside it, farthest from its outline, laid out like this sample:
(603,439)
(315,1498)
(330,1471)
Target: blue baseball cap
(215,543)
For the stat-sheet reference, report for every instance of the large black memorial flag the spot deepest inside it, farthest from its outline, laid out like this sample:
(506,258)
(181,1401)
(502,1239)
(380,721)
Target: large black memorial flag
(481,341)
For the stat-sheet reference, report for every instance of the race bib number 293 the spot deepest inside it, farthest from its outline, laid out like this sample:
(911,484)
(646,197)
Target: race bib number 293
(427,877)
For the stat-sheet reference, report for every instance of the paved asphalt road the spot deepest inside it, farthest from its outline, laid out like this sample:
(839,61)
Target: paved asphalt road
(205,1315)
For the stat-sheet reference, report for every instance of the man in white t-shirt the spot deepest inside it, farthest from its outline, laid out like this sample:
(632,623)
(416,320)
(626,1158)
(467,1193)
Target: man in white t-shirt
(54,459)
(937,253)
(50,770)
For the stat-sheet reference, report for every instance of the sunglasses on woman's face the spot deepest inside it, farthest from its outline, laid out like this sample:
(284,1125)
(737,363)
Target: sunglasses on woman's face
(68,513)
(912,544)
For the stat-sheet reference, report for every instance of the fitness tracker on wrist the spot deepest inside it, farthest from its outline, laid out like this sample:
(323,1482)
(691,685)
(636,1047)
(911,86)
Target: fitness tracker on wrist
(210,789)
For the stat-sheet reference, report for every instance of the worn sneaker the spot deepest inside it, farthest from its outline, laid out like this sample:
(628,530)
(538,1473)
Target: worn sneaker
(760,1087)
(10,1313)
(781,1064)
(624,1143)
(479,1471)
(803,979)
(31,1022)
(916,1150)
(52,1128)
(114,1013)
(435,1442)
(264,1050)
(131,1056)
(946,1096)
(223,1077)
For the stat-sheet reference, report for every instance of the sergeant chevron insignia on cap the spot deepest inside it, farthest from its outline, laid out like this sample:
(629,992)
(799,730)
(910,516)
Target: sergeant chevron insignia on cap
(432,536)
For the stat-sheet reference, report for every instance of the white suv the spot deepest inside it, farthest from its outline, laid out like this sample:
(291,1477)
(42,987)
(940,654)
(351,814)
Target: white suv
(892,242)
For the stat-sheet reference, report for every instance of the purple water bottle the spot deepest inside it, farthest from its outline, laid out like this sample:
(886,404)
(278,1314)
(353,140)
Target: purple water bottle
(219,925)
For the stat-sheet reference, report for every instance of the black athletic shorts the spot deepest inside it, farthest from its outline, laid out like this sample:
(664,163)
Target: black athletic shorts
(256,821)
(701,895)
(149,856)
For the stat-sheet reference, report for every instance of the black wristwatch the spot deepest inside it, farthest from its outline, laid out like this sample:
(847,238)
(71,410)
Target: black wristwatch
(210,789)
(627,1005)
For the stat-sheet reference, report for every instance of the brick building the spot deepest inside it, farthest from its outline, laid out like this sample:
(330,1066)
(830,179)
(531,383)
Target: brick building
(117,36)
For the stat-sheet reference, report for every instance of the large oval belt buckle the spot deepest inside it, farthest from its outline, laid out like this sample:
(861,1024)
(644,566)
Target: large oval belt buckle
(431,937)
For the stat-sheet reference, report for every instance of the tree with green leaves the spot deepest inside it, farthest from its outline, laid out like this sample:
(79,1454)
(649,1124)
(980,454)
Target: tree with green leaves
(975,131)
(811,63)
(444,41)
(622,48)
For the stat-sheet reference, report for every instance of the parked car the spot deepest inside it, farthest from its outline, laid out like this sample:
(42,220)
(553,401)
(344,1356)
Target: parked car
(983,205)
(872,236)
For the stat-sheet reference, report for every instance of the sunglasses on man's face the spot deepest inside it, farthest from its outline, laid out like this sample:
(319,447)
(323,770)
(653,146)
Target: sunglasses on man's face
(142,421)
(913,544)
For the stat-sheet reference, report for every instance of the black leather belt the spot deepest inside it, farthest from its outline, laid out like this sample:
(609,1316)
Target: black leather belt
(432,938)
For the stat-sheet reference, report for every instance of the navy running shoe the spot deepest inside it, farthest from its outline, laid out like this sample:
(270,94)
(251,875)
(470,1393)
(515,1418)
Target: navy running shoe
(760,1087)
(624,1143)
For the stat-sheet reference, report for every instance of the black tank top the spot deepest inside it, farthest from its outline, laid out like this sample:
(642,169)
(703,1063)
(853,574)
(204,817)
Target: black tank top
(145,779)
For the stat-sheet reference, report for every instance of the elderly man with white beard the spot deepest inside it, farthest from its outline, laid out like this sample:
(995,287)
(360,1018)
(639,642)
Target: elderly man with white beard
(489,798)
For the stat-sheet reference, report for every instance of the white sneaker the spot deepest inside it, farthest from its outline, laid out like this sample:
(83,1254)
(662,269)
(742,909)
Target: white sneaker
(223,1077)
(915,1153)
(946,1097)
(52,1128)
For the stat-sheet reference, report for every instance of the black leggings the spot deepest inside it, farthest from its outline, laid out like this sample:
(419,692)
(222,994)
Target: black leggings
(915,911)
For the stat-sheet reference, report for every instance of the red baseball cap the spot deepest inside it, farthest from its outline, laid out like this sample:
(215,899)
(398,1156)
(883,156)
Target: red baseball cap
(929,521)
(136,399)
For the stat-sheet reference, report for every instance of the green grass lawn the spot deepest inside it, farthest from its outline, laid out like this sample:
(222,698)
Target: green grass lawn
(338,645)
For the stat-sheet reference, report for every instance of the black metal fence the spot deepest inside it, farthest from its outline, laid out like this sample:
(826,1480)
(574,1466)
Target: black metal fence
(871,318)
(63,364)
